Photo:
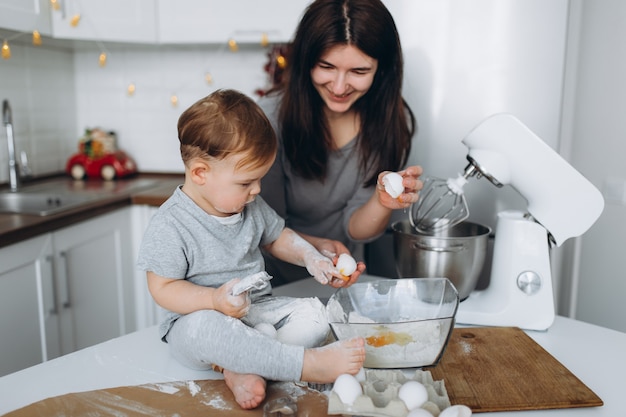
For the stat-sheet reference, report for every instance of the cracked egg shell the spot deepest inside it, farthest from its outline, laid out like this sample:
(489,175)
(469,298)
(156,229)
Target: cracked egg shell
(393,184)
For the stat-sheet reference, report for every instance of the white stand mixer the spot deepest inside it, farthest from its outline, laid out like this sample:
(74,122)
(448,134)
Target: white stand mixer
(561,204)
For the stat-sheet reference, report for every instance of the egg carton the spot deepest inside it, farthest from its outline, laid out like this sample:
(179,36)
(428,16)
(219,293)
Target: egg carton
(380,395)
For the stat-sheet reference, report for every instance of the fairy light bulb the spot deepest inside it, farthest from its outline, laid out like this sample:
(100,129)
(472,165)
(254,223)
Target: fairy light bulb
(75,20)
(102,59)
(208,78)
(264,40)
(174,100)
(232,44)
(6,50)
(281,61)
(36,38)
(130,90)
(55,5)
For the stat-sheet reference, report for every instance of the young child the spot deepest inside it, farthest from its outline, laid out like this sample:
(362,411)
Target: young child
(208,235)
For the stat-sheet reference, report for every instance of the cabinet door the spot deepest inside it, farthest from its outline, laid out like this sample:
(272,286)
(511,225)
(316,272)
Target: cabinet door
(94,273)
(111,20)
(216,21)
(29,326)
(25,15)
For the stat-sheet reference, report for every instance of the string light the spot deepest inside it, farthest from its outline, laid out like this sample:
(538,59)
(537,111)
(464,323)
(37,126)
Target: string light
(103,56)
(36,38)
(6,50)
(265,40)
(75,20)
(55,5)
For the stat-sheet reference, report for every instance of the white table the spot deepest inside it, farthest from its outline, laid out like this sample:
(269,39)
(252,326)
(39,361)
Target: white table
(596,355)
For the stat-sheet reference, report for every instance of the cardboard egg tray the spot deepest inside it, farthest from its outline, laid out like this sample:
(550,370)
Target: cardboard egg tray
(380,395)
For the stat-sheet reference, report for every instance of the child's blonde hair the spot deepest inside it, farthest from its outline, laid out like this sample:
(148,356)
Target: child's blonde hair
(223,123)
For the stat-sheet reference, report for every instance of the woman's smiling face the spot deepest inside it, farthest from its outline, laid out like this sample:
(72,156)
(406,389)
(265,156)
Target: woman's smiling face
(342,75)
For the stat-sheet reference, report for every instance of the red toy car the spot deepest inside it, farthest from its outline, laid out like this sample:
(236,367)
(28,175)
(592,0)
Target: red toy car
(99,157)
(108,167)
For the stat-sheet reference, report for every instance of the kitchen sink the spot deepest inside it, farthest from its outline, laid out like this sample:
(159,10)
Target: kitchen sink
(41,203)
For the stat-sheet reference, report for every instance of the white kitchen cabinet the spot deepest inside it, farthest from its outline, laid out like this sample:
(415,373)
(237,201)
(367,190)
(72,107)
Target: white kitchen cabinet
(25,15)
(66,290)
(93,268)
(29,325)
(216,21)
(111,20)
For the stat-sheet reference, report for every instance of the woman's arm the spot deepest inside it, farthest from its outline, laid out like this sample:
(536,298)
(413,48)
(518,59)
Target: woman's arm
(184,297)
(372,218)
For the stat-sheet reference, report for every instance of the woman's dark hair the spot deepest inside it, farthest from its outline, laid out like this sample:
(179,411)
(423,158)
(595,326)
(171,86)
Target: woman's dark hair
(387,122)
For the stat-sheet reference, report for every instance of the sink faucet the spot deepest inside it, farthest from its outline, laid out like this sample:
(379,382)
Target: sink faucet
(14,175)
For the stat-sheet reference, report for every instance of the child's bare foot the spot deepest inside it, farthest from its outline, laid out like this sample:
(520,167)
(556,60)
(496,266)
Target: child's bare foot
(324,364)
(248,389)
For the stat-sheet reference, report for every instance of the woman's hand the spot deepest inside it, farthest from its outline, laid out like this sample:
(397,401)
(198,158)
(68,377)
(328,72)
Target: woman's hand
(224,301)
(411,183)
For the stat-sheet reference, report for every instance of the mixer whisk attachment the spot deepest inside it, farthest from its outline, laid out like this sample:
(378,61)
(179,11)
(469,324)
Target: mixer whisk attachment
(441,205)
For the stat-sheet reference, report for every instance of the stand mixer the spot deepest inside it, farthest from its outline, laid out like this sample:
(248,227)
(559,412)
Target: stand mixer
(561,204)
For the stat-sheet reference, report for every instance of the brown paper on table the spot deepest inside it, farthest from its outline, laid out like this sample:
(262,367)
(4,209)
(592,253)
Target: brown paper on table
(182,398)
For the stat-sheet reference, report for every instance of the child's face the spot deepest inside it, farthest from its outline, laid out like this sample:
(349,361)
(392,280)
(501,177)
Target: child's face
(229,188)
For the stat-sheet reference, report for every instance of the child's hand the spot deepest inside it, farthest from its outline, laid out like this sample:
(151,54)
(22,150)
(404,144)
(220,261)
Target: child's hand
(320,267)
(224,301)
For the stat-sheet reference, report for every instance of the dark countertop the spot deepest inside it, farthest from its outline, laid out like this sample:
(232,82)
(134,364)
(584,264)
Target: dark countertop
(148,189)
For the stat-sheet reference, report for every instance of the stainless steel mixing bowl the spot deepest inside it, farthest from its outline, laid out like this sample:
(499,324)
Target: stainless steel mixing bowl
(457,253)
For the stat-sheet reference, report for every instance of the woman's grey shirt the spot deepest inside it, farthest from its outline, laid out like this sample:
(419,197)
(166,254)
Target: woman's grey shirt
(314,207)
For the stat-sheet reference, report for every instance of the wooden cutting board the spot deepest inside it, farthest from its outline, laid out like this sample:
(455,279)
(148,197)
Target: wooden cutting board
(503,369)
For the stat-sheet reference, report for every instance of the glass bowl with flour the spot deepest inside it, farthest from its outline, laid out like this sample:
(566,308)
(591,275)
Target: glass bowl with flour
(406,322)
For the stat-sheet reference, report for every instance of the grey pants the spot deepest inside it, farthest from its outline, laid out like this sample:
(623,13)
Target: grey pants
(207,337)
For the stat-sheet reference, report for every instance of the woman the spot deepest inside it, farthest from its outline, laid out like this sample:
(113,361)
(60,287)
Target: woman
(342,124)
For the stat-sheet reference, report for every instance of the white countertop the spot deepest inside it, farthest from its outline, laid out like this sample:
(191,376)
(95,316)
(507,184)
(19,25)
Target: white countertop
(596,355)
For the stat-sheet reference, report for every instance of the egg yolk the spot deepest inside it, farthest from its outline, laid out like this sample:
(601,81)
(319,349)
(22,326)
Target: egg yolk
(388,338)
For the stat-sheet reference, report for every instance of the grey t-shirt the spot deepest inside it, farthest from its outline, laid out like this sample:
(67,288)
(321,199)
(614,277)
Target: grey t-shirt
(182,241)
(317,208)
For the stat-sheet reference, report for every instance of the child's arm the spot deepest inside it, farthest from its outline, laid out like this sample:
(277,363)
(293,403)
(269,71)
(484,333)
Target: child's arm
(291,247)
(184,297)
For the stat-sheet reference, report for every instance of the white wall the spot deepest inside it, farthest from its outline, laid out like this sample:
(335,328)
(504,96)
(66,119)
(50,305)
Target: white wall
(599,150)
(39,85)
(58,89)
(145,122)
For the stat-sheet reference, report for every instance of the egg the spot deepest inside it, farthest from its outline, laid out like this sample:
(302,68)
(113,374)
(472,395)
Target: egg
(348,388)
(456,411)
(393,184)
(346,265)
(413,393)
(420,412)
(267,329)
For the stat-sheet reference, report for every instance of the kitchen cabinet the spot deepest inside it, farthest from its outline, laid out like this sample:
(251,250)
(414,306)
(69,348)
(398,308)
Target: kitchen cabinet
(111,20)
(66,290)
(29,322)
(216,21)
(26,16)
